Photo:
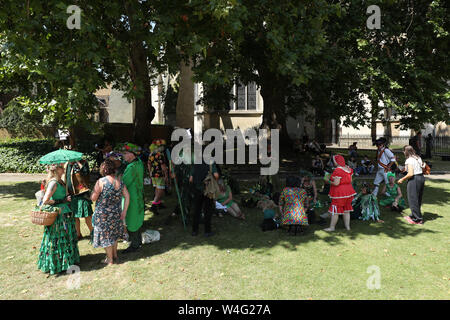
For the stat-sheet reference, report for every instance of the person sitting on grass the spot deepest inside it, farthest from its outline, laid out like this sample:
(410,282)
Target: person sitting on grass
(226,199)
(317,166)
(269,222)
(367,165)
(365,205)
(394,198)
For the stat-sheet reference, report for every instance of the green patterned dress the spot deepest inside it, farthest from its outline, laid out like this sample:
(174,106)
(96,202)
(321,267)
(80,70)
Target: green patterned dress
(391,194)
(59,247)
(81,205)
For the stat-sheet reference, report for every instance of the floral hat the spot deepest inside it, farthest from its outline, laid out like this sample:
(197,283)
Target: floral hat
(156,144)
(129,147)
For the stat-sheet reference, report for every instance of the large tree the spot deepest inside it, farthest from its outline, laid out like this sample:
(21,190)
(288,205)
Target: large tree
(114,45)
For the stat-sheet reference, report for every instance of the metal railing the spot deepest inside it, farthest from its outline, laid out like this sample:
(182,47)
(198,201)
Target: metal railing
(365,141)
(440,144)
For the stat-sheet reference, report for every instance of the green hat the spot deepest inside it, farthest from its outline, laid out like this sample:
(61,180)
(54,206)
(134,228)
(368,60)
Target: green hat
(129,147)
(390,174)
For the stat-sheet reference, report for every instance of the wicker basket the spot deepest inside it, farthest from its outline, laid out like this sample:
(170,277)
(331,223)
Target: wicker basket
(44,218)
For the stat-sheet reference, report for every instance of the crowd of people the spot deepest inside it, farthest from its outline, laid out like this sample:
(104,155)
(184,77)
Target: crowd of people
(119,197)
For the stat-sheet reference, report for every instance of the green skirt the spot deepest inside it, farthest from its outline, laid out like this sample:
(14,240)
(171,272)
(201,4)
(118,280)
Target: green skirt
(59,246)
(81,206)
(388,201)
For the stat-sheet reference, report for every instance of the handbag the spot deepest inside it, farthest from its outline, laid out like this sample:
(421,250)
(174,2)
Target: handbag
(42,217)
(212,190)
(426,169)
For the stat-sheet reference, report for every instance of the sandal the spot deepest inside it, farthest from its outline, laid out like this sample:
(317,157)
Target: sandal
(106,261)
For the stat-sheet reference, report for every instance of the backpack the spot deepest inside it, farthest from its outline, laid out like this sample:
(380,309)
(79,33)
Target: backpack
(212,189)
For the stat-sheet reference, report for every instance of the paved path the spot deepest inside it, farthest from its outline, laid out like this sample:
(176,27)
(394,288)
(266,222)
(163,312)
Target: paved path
(21,177)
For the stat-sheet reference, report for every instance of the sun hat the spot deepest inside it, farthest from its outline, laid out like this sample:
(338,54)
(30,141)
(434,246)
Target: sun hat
(129,147)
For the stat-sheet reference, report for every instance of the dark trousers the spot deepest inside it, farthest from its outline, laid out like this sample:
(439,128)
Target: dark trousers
(135,239)
(205,203)
(415,192)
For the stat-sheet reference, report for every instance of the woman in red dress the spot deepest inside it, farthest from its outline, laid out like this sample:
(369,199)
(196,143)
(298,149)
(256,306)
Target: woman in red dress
(341,193)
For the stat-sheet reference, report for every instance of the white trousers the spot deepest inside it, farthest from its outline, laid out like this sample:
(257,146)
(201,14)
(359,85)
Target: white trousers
(379,178)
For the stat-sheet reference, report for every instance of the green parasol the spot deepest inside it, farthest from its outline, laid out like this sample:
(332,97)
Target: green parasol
(60,156)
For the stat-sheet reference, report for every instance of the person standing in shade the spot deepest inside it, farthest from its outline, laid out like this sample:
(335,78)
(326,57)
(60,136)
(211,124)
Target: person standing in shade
(159,172)
(133,178)
(77,184)
(416,183)
(385,159)
(416,143)
(109,216)
(341,193)
(202,202)
(59,247)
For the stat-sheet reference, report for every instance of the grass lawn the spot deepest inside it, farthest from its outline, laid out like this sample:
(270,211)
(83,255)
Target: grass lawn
(241,261)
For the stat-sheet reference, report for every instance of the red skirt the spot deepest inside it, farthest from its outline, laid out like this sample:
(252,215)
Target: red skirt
(341,205)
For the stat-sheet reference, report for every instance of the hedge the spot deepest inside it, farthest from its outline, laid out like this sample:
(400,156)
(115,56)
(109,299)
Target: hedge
(22,155)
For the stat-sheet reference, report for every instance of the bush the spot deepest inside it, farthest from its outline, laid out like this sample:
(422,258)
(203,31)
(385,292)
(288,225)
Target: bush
(20,123)
(22,155)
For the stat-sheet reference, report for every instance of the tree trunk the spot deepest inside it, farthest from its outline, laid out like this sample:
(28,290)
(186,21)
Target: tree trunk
(374,113)
(144,111)
(73,138)
(185,107)
(274,109)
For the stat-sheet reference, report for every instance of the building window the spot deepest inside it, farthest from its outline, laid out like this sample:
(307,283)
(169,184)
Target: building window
(245,97)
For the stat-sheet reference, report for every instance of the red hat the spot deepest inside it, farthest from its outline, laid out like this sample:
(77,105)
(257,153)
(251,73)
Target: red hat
(339,160)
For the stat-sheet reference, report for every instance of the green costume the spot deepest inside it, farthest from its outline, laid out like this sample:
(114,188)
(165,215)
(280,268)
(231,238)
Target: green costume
(392,193)
(366,207)
(133,177)
(81,204)
(59,246)
(224,196)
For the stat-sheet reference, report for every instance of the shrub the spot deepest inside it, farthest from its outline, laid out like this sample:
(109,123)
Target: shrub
(21,123)
(22,155)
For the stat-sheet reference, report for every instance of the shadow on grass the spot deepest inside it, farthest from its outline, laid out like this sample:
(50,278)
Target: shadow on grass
(19,190)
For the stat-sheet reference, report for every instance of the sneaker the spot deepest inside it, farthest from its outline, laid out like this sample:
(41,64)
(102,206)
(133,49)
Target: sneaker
(209,234)
(409,220)
(194,233)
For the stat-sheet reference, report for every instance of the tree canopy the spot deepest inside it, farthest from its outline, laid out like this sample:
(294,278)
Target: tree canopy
(303,54)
